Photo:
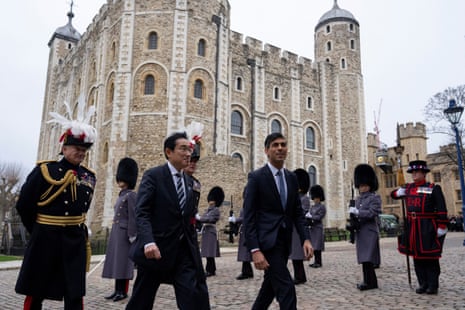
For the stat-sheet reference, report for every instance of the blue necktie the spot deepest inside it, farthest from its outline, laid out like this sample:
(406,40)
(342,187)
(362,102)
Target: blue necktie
(180,191)
(282,189)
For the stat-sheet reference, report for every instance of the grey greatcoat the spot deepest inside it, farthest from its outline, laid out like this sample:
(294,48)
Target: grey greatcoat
(317,237)
(297,251)
(367,237)
(118,265)
(243,254)
(209,244)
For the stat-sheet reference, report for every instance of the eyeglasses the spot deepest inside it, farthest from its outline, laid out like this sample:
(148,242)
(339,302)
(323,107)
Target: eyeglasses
(185,149)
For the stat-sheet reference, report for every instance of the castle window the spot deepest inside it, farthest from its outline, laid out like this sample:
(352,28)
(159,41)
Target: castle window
(239,83)
(276,93)
(351,27)
(275,126)
(113,51)
(328,46)
(201,48)
(310,138)
(309,103)
(352,44)
(198,89)
(153,41)
(328,29)
(237,155)
(236,123)
(149,85)
(458,194)
(436,177)
(70,46)
(343,63)
(327,60)
(312,175)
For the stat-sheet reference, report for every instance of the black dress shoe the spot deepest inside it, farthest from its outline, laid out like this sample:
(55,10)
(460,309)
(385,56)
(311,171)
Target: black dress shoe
(432,291)
(120,296)
(364,286)
(111,296)
(315,265)
(244,276)
(420,290)
(209,274)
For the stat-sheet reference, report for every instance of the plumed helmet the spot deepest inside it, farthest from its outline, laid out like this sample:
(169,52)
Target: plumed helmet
(316,191)
(196,151)
(303,180)
(216,194)
(194,133)
(127,172)
(365,174)
(417,165)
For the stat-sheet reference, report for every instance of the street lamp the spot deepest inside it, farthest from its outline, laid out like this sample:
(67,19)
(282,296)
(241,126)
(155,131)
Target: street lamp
(453,114)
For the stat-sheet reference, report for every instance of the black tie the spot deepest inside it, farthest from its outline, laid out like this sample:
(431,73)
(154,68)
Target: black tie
(282,190)
(180,191)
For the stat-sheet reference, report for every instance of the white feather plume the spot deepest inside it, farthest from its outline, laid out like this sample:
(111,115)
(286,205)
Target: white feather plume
(194,132)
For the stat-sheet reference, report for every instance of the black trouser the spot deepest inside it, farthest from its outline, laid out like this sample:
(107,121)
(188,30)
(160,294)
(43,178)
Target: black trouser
(247,269)
(427,271)
(317,255)
(35,303)
(121,286)
(299,270)
(369,275)
(211,266)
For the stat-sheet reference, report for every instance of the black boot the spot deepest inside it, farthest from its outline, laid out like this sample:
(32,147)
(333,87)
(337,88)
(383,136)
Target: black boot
(121,288)
(247,271)
(299,271)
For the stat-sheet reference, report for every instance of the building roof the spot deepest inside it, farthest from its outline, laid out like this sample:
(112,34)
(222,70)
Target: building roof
(66,32)
(336,14)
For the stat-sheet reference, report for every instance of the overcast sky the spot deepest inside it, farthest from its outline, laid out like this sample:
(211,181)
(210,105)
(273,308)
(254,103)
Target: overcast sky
(411,49)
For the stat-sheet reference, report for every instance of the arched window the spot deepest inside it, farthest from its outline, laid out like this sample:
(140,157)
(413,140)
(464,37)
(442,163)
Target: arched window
(201,48)
(328,29)
(237,155)
(276,94)
(312,175)
(149,87)
(328,46)
(343,63)
(153,41)
(236,123)
(352,44)
(275,126)
(113,51)
(239,83)
(310,138)
(198,89)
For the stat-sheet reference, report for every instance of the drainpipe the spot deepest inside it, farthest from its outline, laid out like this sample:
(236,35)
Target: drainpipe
(251,63)
(217,20)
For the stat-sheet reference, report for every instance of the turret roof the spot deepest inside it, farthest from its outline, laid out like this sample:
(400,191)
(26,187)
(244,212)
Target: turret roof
(66,32)
(336,14)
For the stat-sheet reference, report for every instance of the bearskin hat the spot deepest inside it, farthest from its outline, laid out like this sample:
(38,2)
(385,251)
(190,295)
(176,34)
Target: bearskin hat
(216,194)
(365,174)
(303,180)
(127,172)
(316,191)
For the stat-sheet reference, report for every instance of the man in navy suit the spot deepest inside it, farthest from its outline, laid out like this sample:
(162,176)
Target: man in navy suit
(166,249)
(271,208)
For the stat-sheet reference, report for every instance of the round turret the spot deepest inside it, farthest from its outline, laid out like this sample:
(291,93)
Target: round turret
(336,14)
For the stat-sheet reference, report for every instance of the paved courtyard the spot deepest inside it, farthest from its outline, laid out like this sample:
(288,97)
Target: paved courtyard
(330,287)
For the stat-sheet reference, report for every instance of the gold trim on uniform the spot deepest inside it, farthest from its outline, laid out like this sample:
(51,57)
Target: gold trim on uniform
(57,220)
(69,179)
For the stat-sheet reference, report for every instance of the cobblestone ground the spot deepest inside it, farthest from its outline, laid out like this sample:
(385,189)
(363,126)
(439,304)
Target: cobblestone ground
(330,287)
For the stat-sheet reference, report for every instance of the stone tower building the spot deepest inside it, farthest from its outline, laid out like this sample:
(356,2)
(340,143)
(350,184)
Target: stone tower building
(152,67)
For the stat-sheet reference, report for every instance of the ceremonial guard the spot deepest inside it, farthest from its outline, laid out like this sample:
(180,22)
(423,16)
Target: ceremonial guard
(210,247)
(52,204)
(297,252)
(117,264)
(366,211)
(426,226)
(315,217)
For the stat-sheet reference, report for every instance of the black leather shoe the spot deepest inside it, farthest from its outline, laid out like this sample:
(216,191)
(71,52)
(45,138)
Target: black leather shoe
(209,274)
(243,276)
(120,296)
(420,290)
(315,265)
(111,296)
(431,291)
(364,286)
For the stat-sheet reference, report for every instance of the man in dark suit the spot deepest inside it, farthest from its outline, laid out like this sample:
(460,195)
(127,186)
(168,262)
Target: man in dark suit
(271,208)
(166,250)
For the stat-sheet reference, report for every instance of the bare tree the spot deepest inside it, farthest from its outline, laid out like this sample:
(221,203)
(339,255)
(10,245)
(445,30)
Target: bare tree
(10,177)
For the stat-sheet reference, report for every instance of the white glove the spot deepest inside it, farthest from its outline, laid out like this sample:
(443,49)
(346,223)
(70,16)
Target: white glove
(353,210)
(308,215)
(232,219)
(401,192)
(441,232)
(197,217)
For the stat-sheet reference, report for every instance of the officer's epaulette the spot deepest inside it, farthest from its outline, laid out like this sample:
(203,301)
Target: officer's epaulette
(40,162)
(87,168)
